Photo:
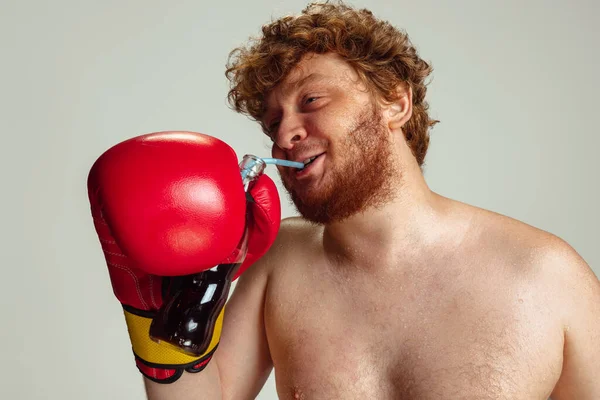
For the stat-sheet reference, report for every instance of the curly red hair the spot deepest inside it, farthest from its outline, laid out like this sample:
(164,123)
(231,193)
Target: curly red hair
(381,54)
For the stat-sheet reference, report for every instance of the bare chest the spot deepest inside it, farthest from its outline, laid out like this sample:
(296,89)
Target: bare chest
(397,341)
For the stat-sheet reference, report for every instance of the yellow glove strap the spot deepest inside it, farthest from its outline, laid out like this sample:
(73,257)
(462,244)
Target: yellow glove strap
(163,354)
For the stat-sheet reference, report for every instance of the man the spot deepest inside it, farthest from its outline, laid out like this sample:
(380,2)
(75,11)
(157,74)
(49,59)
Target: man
(384,289)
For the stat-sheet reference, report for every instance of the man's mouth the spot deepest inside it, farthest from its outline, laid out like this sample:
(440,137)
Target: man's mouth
(310,160)
(308,165)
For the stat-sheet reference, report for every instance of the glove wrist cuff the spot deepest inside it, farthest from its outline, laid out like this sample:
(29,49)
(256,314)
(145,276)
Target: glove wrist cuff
(159,362)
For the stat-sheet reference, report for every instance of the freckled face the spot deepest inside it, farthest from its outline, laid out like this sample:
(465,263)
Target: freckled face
(323,109)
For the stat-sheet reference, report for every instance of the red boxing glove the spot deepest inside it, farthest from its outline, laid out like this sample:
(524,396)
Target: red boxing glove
(173,204)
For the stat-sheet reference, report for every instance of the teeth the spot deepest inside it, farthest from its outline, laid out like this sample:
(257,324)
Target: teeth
(308,161)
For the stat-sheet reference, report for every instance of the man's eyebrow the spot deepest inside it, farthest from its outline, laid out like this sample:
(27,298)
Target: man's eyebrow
(294,85)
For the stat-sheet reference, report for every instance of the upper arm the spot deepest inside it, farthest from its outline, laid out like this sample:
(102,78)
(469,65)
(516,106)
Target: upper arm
(580,377)
(243,355)
(242,362)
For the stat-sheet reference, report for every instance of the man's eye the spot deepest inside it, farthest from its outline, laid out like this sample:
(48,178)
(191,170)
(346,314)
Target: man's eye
(310,100)
(273,129)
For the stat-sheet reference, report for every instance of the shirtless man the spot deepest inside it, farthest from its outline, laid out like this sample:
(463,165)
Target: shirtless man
(384,289)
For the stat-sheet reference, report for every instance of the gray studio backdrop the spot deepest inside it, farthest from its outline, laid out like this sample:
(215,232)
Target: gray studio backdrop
(515,85)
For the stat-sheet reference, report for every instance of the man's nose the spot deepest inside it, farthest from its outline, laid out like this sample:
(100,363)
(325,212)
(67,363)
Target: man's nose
(290,131)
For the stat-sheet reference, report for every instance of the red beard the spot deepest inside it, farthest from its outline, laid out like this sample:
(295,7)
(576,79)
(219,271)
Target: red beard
(363,179)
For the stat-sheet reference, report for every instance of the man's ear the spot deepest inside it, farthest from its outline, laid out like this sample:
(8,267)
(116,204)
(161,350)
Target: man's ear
(400,110)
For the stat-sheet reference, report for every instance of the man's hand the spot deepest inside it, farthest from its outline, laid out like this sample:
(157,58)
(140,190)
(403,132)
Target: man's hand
(173,205)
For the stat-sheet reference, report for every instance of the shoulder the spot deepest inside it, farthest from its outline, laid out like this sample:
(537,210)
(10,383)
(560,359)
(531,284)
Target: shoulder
(566,289)
(298,224)
(517,238)
(296,236)
(538,256)
(570,280)
(295,233)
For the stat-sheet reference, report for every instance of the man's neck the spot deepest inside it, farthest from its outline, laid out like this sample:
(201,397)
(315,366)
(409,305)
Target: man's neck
(395,233)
